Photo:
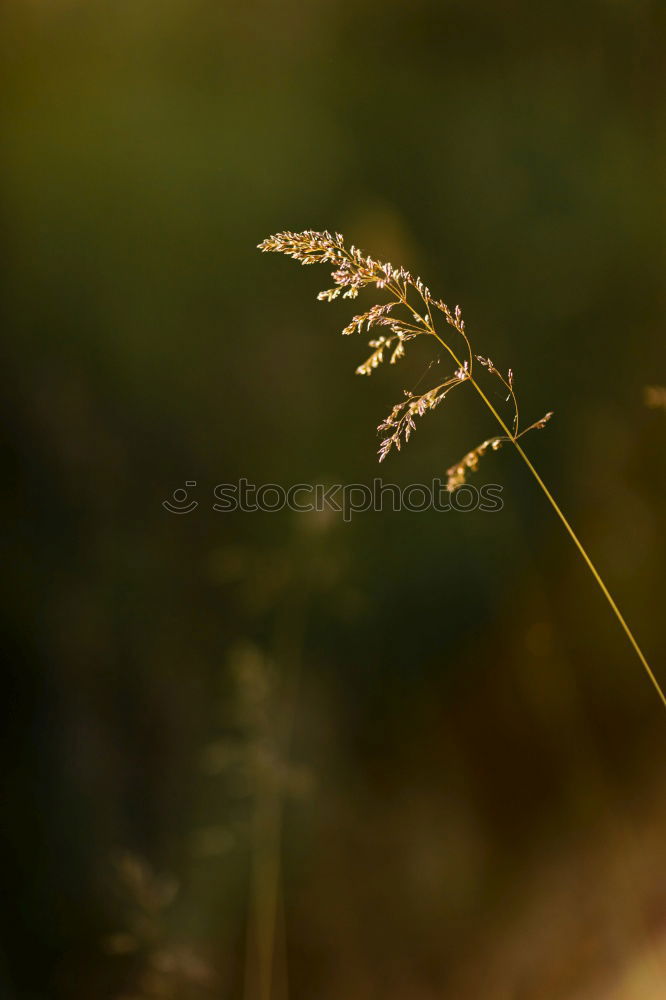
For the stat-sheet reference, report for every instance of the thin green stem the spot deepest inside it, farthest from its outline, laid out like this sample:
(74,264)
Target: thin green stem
(572,534)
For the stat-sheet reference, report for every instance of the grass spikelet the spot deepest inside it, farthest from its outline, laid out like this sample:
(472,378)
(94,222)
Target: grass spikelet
(409,313)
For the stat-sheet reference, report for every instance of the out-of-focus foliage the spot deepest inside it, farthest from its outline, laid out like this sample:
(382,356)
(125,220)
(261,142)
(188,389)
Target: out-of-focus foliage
(463,750)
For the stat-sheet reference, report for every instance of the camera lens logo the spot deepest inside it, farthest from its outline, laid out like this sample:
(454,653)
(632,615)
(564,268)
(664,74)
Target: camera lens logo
(178,503)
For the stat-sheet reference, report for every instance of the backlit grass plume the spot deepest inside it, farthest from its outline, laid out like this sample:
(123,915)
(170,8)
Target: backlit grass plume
(410,310)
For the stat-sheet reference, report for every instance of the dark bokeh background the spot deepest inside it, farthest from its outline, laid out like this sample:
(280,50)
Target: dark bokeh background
(432,719)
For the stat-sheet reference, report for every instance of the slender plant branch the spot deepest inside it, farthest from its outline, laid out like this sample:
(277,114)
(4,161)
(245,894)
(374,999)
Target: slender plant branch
(354,271)
(572,534)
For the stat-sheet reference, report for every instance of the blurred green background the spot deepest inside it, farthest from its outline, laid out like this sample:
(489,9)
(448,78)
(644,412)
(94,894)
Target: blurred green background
(270,755)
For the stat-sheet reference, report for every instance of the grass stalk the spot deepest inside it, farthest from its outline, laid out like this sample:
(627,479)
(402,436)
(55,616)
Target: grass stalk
(354,271)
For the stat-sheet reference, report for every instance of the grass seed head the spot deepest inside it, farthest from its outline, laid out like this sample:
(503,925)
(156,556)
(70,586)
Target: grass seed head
(409,311)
